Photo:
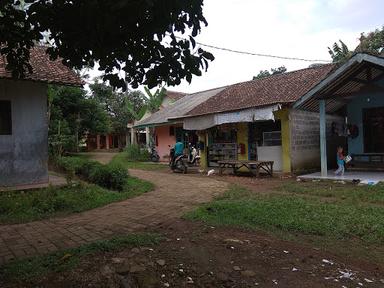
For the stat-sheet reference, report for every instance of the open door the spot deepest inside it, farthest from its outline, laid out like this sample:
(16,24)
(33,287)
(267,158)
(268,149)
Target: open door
(373,126)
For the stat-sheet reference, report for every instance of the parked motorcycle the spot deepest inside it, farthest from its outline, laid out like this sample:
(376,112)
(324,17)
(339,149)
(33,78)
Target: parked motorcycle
(194,157)
(178,163)
(154,156)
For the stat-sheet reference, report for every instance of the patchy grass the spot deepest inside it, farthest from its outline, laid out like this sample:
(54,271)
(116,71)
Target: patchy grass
(123,159)
(337,219)
(328,189)
(26,206)
(68,259)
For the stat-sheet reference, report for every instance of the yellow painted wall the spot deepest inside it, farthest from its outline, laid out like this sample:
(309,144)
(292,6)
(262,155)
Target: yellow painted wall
(242,137)
(283,115)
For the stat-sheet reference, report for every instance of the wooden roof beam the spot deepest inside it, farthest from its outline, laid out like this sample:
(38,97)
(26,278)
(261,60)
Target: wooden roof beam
(361,81)
(378,77)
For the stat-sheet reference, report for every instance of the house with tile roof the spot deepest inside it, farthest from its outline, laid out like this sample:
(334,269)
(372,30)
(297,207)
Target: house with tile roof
(166,131)
(23,119)
(279,118)
(355,92)
(253,120)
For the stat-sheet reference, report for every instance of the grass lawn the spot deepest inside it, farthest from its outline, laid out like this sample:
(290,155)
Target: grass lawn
(348,192)
(335,213)
(23,269)
(123,159)
(26,206)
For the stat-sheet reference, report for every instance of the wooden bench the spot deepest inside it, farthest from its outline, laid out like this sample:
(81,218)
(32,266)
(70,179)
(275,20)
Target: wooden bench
(367,161)
(254,167)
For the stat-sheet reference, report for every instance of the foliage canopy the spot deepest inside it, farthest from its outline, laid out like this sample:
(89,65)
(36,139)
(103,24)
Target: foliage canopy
(135,37)
(371,42)
(274,71)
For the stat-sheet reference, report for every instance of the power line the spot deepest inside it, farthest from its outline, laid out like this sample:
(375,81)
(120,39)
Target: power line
(259,54)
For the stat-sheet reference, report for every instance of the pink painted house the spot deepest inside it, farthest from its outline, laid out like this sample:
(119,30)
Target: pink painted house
(165,136)
(166,129)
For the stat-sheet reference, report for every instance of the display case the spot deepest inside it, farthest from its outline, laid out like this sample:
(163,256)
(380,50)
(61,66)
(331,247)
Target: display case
(272,138)
(253,151)
(221,151)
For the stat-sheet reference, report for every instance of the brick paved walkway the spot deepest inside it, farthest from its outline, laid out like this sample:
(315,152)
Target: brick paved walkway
(174,194)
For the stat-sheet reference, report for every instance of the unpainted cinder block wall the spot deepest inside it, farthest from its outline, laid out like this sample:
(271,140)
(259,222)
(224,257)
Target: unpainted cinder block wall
(24,154)
(305,140)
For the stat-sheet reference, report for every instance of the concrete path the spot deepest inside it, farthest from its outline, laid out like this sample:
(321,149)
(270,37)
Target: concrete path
(174,194)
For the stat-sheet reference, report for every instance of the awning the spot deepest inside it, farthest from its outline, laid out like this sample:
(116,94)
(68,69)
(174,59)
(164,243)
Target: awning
(247,115)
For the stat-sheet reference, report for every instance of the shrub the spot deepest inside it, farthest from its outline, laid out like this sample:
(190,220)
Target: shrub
(87,167)
(135,153)
(110,176)
(71,163)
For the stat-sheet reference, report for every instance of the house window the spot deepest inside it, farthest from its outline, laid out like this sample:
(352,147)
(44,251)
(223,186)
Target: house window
(5,118)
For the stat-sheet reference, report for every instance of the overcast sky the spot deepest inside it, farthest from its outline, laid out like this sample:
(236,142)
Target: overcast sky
(294,28)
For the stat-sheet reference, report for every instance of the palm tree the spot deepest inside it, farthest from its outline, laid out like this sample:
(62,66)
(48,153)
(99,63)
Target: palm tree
(152,104)
(340,53)
(154,100)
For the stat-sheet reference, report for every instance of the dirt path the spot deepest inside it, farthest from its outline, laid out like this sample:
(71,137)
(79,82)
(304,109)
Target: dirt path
(197,255)
(174,194)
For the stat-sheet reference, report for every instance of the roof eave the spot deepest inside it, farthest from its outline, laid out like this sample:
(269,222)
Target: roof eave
(62,83)
(156,124)
(355,60)
(234,110)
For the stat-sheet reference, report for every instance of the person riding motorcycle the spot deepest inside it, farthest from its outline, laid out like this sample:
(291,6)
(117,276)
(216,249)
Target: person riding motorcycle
(177,155)
(179,149)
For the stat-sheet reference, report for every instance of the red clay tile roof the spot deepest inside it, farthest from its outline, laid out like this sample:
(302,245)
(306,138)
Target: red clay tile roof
(45,70)
(276,89)
(173,95)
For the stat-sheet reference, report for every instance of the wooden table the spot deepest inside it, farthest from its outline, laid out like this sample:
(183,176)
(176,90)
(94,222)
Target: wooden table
(255,167)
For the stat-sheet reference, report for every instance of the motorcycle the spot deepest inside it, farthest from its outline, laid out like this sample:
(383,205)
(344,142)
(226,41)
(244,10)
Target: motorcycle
(154,156)
(178,163)
(194,157)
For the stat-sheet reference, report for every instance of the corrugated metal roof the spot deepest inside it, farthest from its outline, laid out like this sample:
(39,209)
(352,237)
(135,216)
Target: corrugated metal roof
(179,108)
(339,86)
(175,95)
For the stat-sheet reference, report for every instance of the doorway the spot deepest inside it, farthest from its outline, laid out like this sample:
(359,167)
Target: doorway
(373,129)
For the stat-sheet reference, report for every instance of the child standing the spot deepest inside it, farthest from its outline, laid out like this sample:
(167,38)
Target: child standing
(340,161)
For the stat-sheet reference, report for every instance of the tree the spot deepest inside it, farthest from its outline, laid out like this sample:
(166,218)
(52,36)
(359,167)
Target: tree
(71,115)
(116,103)
(154,100)
(130,36)
(274,71)
(339,52)
(372,42)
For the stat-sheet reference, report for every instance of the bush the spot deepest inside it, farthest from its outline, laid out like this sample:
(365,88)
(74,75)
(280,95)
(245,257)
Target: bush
(73,164)
(110,176)
(87,169)
(135,153)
